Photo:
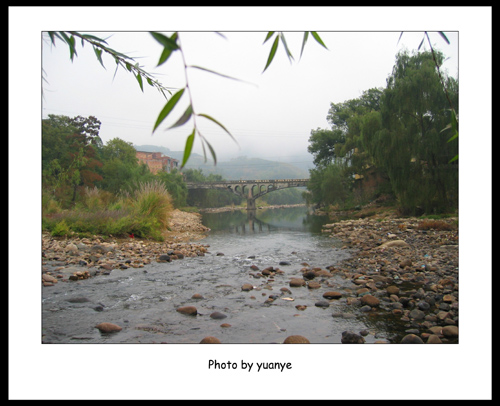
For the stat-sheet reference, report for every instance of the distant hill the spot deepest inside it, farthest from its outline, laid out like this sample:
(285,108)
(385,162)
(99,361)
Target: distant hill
(238,168)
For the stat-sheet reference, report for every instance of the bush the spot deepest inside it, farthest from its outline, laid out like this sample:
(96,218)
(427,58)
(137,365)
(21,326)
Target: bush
(61,229)
(144,213)
(152,201)
(434,225)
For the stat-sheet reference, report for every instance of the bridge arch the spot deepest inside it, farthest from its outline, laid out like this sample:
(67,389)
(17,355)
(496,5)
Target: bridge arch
(250,189)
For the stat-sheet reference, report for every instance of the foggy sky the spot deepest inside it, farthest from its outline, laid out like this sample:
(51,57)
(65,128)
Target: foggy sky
(270,115)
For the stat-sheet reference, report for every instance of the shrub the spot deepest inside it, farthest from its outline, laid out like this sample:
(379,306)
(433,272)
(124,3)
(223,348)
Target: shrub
(144,213)
(96,199)
(152,200)
(434,225)
(61,229)
(49,204)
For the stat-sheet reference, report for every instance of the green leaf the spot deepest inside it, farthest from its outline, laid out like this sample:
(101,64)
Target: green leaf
(71,43)
(288,53)
(444,37)
(188,148)
(168,108)
(93,38)
(272,53)
(166,41)
(139,79)
(98,53)
(269,35)
(219,124)
(184,118)
(169,45)
(212,151)
(318,39)
(217,73)
(306,35)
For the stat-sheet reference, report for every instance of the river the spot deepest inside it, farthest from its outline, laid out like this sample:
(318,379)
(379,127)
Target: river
(143,301)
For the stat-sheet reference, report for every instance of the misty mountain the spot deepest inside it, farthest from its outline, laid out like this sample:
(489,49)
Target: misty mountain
(241,167)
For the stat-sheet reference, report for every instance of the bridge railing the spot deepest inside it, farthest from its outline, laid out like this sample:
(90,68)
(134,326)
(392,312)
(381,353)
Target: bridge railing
(249,181)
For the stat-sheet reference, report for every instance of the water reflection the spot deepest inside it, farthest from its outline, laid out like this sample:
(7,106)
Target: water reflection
(264,220)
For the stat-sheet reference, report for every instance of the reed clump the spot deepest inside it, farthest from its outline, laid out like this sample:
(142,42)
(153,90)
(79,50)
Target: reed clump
(143,212)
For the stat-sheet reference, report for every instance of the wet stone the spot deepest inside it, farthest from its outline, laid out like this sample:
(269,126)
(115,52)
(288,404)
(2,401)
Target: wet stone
(189,310)
(349,337)
(322,303)
(332,295)
(108,328)
(370,300)
(411,339)
(210,340)
(297,282)
(296,339)
(217,315)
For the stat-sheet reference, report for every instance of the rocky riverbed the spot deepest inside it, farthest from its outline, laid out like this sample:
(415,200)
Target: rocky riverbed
(405,270)
(66,259)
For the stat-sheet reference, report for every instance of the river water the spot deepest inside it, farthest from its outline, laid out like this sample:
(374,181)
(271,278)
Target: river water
(143,301)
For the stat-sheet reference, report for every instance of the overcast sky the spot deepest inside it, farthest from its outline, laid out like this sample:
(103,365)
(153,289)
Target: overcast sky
(271,114)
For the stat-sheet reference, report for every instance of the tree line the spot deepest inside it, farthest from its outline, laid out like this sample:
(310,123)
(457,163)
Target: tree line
(395,143)
(76,163)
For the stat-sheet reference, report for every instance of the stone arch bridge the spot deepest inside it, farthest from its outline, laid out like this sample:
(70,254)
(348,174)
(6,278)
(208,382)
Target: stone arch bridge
(250,189)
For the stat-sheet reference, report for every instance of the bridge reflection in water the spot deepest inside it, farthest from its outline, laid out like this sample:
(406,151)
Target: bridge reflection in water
(263,221)
(250,189)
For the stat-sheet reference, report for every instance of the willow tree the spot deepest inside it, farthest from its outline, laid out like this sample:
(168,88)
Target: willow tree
(406,138)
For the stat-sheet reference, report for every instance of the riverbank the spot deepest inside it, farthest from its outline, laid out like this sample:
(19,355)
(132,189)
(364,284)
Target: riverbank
(406,268)
(399,269)
(80,258)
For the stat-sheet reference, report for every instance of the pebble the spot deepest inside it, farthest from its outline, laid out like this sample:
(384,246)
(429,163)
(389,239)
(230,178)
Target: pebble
(322,303)
(189,310)
(297,282)
(411,339)
(296,339)
(108,328)
(395,269)
(348,337)
(218,315)
(210,340)
(332,295)
(370,300)
(87,257)
(433,339)
(450,331)
(400,267)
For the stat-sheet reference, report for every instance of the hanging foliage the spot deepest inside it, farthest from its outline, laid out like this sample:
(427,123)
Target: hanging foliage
(406,139)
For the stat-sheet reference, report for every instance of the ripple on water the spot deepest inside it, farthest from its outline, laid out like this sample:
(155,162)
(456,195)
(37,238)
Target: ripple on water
(143,301)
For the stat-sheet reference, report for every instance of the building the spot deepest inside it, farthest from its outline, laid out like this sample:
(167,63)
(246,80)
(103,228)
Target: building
(156,161)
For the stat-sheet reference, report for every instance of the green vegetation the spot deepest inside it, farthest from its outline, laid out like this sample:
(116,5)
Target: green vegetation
(392,144)
(89,188)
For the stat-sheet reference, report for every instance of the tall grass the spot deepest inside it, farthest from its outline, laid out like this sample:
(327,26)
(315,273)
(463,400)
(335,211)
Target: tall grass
(143,213)
(152,200)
